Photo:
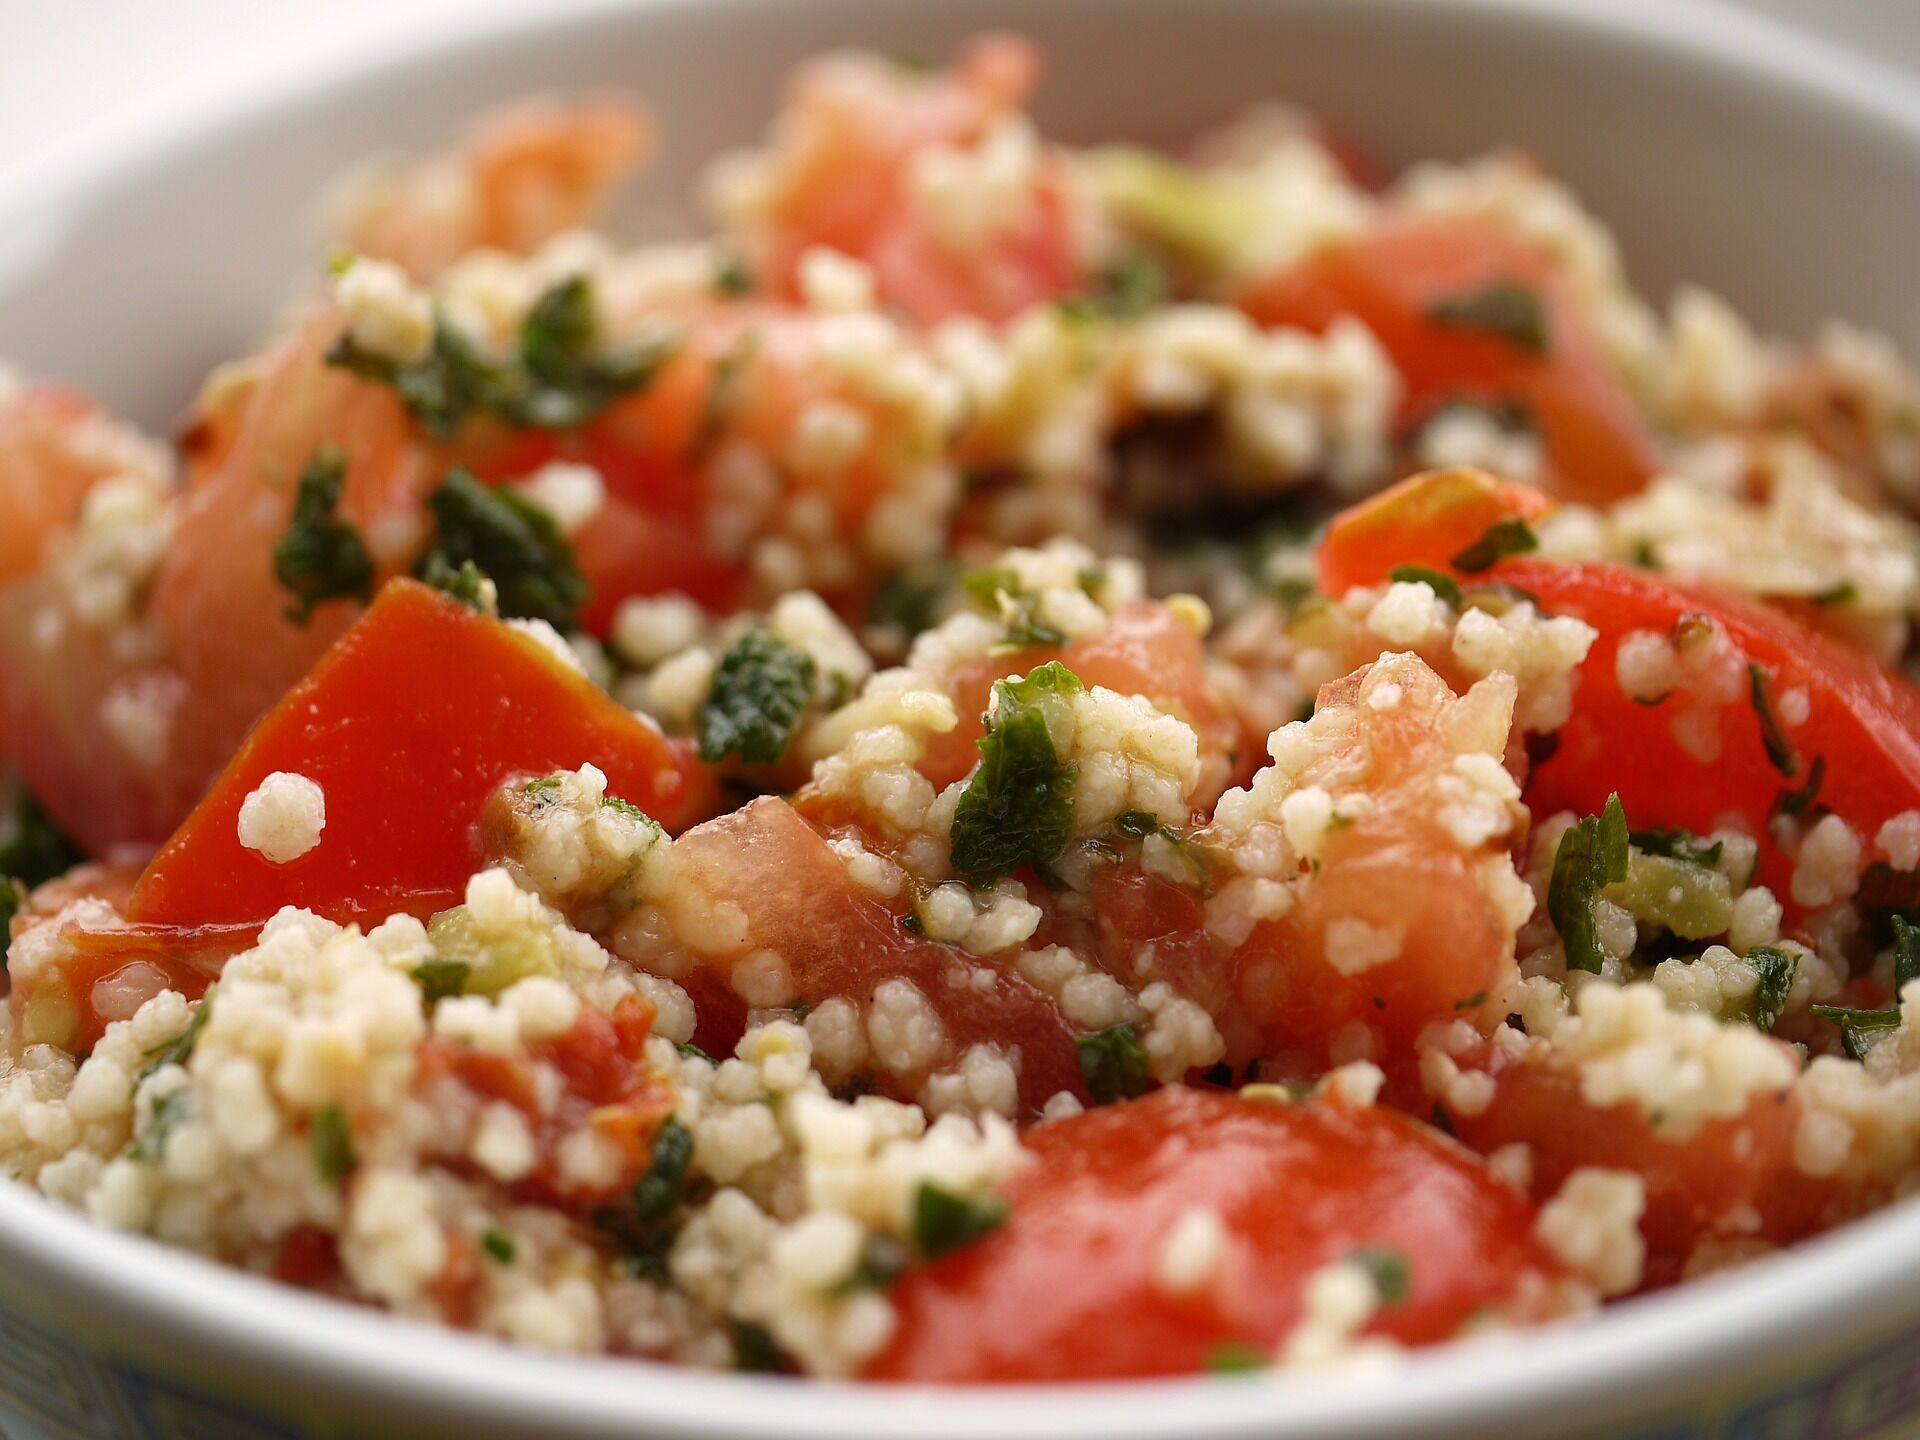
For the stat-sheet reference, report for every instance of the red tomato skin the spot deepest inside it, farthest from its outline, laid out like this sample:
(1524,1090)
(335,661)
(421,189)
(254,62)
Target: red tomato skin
(838,942)
(1426,520)
(1864,720)
(407,725)
(1596,441)
(1066,1289)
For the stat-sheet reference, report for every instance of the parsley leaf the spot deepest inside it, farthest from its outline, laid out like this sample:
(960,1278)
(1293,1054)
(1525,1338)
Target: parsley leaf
(1776,970)
(498,1245)
(1860,1030)
(441,979)
(1906,953)
(1592,855)
(943,1221)
(1390,1269)
(32,849)
(1236,1357)
(1779,748)
(1677,844)
(1502,307)
(658,1192)
(511,542)
(321,557)
(331,1140)
(754,1348)
(168,1111)
(760,692)
(1113,1062)
(1798,802)
(179,1050)
(558,376)
(997,591)
(467,584)
(1443,585)
(910,600)
(1512,536)
(882,1259)
(1018,805)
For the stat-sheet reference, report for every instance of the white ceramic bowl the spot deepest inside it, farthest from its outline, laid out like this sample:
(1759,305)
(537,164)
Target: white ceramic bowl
(1720,147)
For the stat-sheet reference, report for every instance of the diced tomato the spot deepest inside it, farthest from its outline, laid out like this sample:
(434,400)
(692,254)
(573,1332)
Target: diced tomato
(46,467)
(838,942)
(1426,520)
(1069,1289)
(102,975)
(407,725)
(1725,1178)
(1861,719)
(1391,280)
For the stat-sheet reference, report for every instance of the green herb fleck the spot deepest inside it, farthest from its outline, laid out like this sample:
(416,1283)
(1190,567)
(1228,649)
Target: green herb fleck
(1677,844)
(441,979)
(1779,749)
(498,1245)
(1592,856)
(32,849)
(1018,805)
(179,1050)
(466,584)
(1114,1063)
(1391,1271)
(759,695)
(1776,970)
(731,276)
(659,1191)
(331,1140)
(1798,802)
(1860,1030)
(1906,953)
(1442,584)
(1236,1357)
(755,1350)
(911,600)
(1512,536)
(321,557)
(882,1259)
(510,541)
(1844,593)
(694,1052)
(168,1111)
(12,896)
(1501,307)
(943,1221)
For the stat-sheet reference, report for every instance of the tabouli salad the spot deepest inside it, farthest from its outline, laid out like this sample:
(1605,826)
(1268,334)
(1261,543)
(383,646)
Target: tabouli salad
(1030,763)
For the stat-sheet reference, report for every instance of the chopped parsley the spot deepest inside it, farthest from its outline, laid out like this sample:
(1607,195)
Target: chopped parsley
(12,896)
(1442,584)
(1512,536)
(658,1193)
(693,1052)
(1503,308)
(996,590)
(1779,748)
(498,1245)
(441,979)
(1776,969)
(731,276)
(881,1260)
(754,1348)
(510,541)
(1677,844)
(1844,593)
(1860,1030)
(1906,953)
(32,849)
(759,695)
(1391,1271)
(1113,1062)
(1237,1357)
(321,557)
(944,1221)
(1018,805)
(1132,286)
(557,376)
(331,1140)
(1798,802)
(466,584)
(911,600)
(1592,856)
(179,1050)
(168,1111)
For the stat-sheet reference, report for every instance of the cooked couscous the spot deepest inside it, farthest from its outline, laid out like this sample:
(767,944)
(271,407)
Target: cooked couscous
(1032,762)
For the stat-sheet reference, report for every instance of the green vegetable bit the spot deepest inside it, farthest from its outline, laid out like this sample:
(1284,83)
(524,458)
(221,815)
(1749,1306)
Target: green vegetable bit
(1442,584)
(943,1221)
(32,849)
(441,979)
(1776,969)
(466,584)
(168,1111)
(1512,536)
(1779,748)
(498,1245)
(1592,855)
(1860,1030)
(12,896)
(1018,805)
(321,557)
(658,1193)
(755,1350)
(179,1050)
(1390,1269)
(331,1140)
(882,1259)
(1798,802)
(760,694)
(559,375)
(510,541)
(1114,1063)
(1236,1357)
(1502,307)
(1906,952)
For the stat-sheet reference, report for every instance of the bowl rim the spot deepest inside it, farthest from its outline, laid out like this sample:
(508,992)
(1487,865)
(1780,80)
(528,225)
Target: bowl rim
(1758,1315)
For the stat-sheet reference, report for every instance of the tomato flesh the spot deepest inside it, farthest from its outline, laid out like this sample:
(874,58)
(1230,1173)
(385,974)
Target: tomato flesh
(1067,1288)
(407,725)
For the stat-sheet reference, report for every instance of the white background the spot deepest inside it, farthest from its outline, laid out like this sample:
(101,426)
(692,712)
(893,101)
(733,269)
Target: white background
(69,68)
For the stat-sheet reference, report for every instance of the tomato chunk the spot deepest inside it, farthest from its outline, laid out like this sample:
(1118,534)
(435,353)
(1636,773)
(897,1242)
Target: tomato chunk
(834,942)
(1393,279)
(1426,520)
(1069,1288)
(407,725)
(1686,761)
